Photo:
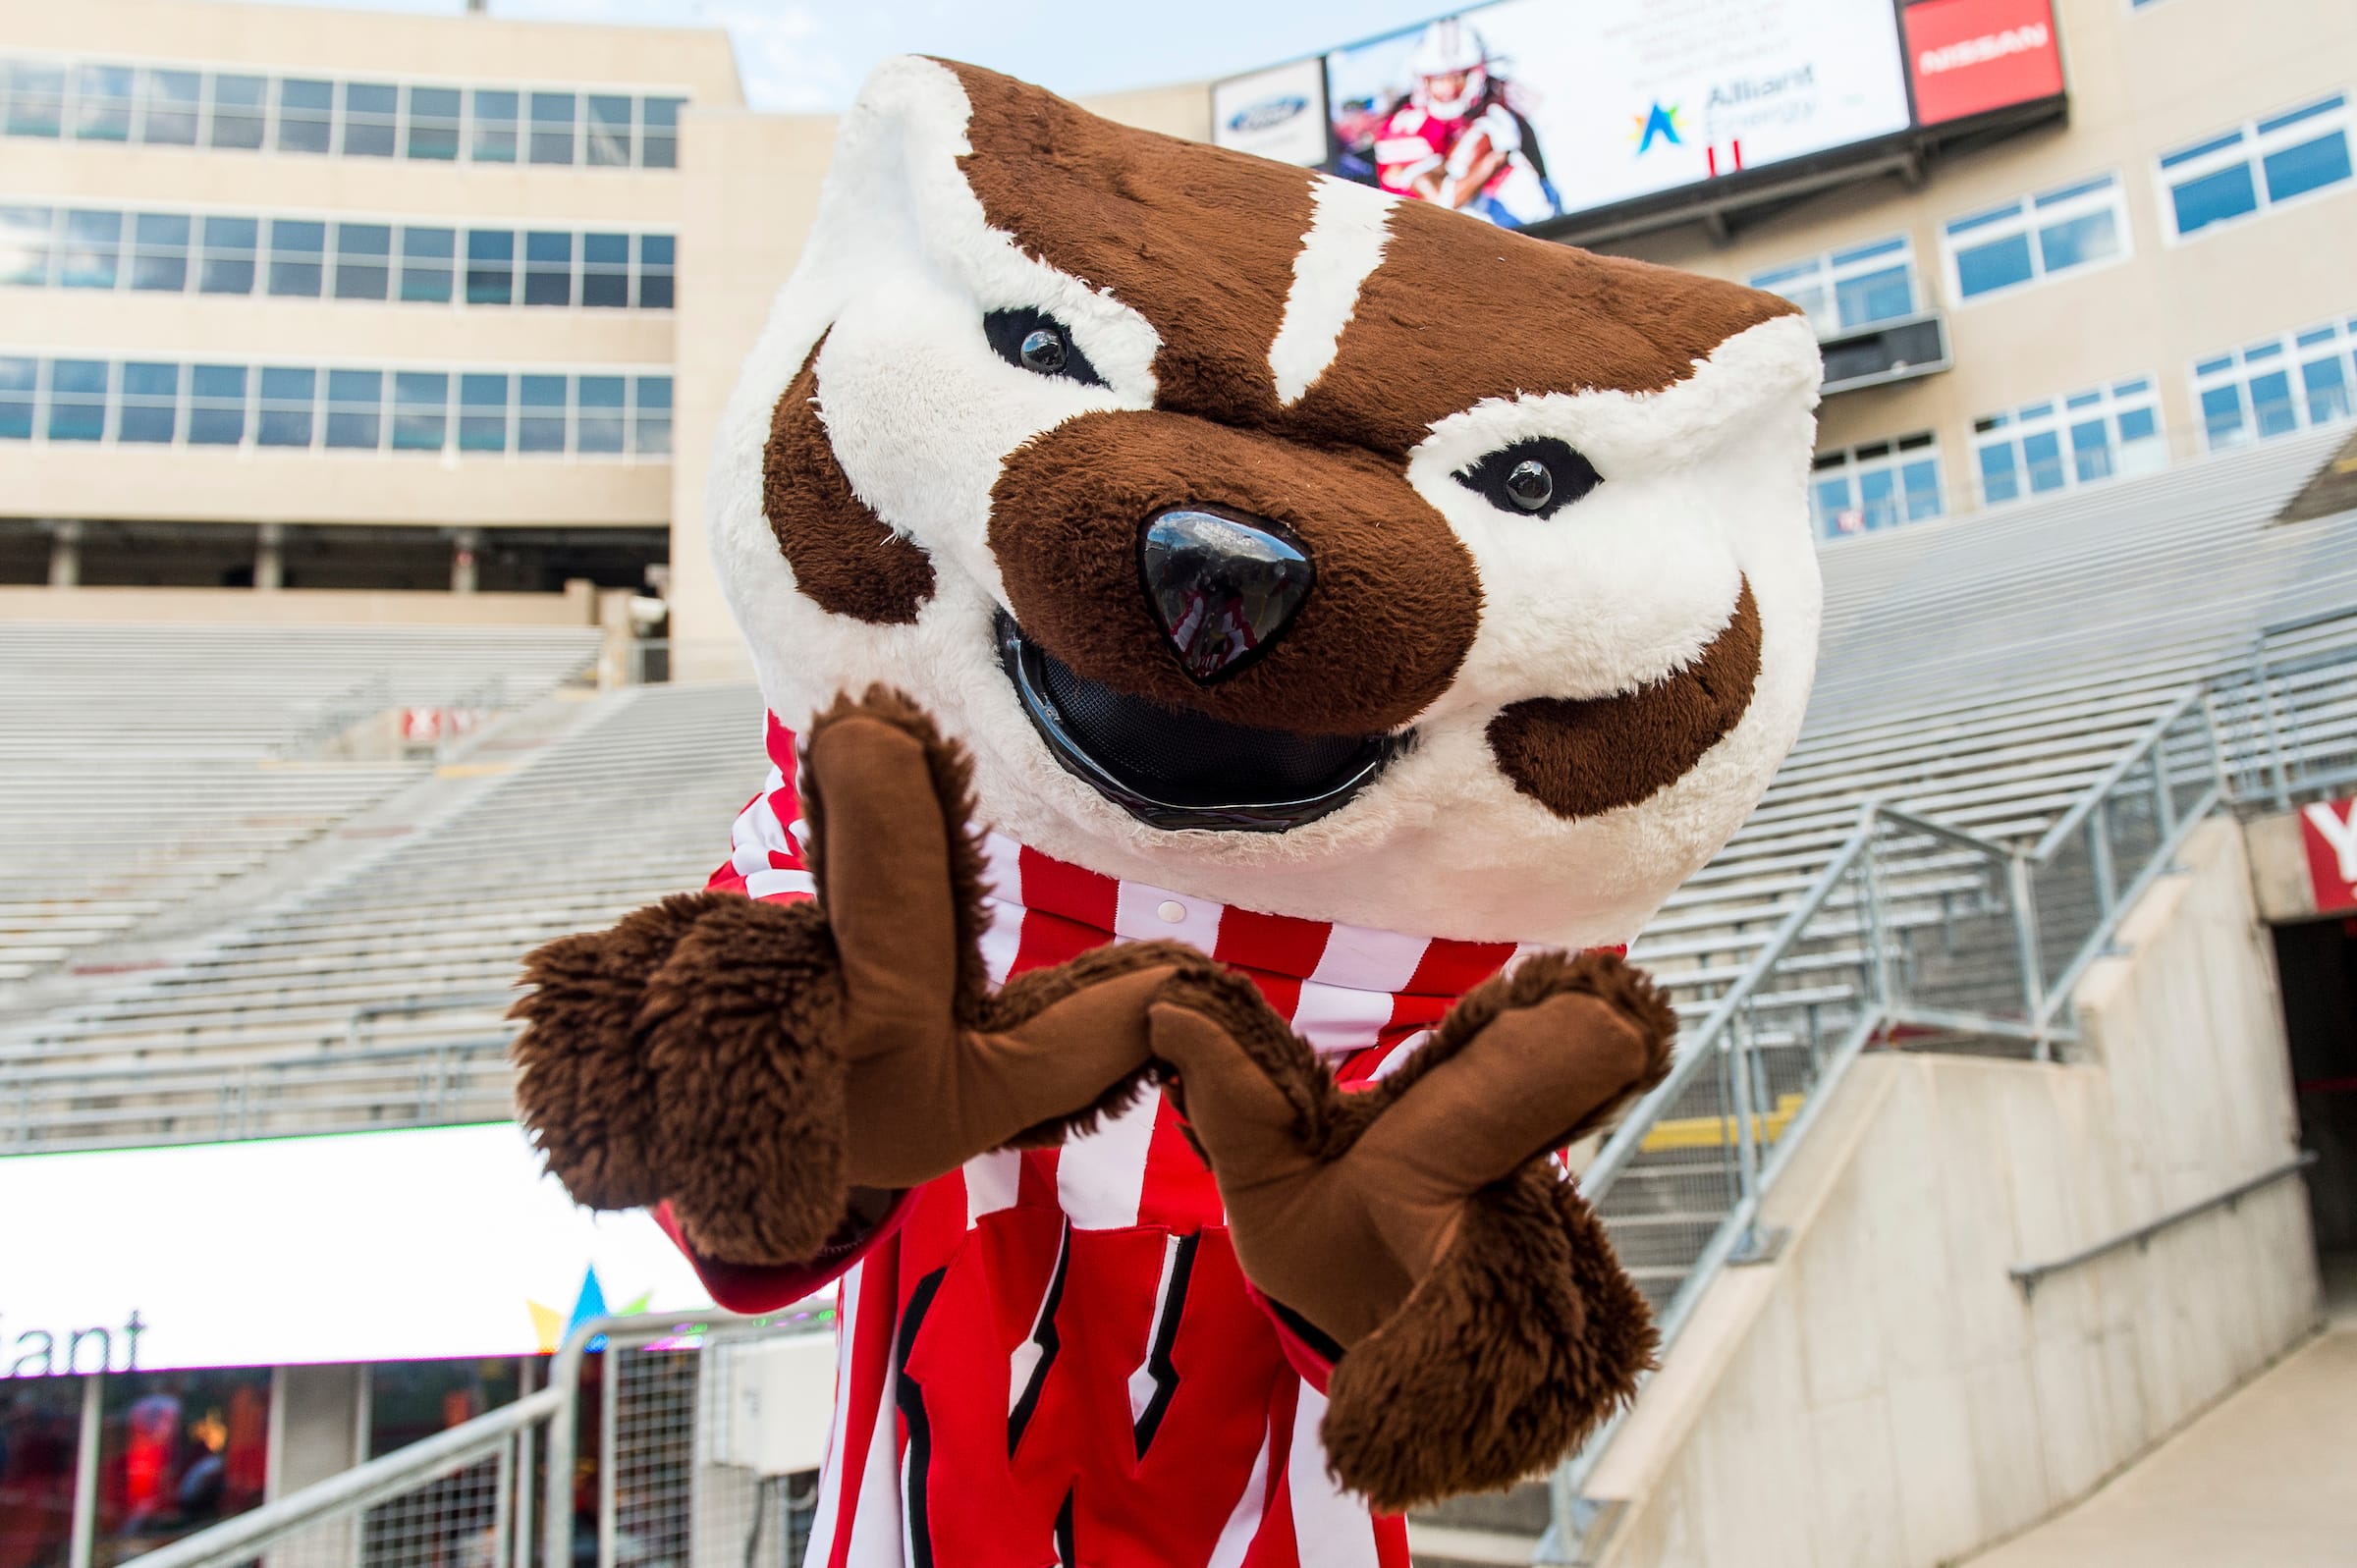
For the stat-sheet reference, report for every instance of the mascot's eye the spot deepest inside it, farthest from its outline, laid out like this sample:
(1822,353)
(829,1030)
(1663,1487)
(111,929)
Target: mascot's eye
(1537,478)
(1034,341)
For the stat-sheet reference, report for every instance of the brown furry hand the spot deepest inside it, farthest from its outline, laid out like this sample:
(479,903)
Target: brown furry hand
(1483,1321)
(756,1063)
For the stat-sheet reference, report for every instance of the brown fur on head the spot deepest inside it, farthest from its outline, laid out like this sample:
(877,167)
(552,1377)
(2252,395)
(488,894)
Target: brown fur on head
(1540,718)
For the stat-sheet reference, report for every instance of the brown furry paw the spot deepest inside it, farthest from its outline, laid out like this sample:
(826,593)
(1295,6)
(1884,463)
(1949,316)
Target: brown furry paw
(1521,1342)
(585,1090)
(739,1026)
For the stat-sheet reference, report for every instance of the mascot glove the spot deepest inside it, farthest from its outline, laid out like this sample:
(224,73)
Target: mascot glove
(771,1070)
(1420,1228)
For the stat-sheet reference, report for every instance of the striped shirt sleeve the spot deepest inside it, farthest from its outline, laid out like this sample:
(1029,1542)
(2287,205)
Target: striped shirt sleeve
(765,847)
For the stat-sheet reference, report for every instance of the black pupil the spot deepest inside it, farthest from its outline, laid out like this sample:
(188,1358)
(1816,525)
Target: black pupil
(1043,351)
(1530,484)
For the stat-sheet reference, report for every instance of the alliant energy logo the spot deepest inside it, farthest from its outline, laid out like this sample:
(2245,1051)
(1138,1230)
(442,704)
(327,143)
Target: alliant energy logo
(1987,46)
(1268,114)
(66,1352)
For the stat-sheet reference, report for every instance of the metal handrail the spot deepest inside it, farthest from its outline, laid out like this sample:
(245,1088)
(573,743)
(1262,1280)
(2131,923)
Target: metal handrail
(2094,795)
(418,1464)
(2028,1275)
(238,1541)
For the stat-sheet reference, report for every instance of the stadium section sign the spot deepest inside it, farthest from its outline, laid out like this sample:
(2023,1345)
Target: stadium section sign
(383,1246)
(2329,833)
(1966,57)
(1527,112)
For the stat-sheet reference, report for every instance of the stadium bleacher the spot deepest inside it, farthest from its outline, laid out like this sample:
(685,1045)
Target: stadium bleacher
(144,767)
(1982,671)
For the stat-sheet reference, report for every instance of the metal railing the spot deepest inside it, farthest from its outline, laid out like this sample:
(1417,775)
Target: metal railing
(2029,1276)
(501,1490)
(1918,934)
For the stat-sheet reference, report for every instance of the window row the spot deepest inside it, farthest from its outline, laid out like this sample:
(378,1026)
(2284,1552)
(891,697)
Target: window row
(313,258)
(1844,291)
(2083,223)
(2258,165)
(2295,382)
(103,101)
(1879,484)
(2103,433)
(151,402)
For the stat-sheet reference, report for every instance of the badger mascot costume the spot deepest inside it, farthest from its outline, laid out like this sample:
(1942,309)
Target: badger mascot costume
(1243,653)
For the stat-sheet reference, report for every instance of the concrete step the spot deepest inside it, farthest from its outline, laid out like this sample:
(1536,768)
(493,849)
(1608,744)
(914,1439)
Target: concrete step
(1455,1546)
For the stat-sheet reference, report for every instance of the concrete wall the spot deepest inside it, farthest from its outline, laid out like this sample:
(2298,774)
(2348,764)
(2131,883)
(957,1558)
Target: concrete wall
(1882,1393)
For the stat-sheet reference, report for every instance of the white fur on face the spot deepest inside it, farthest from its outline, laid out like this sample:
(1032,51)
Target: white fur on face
(1704,484)
(1342,248)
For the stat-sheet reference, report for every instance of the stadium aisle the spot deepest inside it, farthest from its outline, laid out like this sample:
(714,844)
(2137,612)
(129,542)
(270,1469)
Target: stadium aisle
(2263,1478)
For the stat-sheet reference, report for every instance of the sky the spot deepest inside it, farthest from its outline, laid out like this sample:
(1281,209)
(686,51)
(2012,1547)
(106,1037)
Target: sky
(809,56)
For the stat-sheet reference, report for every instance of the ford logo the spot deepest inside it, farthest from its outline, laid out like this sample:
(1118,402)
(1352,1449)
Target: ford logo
(1267,113)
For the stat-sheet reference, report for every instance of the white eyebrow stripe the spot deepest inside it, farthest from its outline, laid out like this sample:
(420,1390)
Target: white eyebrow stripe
(1344,247)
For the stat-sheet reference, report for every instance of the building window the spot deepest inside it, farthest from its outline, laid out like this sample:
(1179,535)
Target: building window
(598,414)
(651,430)
(77,397)
(490,267)
(141,403)
(2295,382)
(216,405)
(609,142)
(372,119)
(287,399)
(1843,291)
(307,115)
(420,411)
(178,1451)
(1879,485)
(547,269)
(655,271)
(483,413)
(150,411)
(2045,236)
(355,399)
(363,260)
(170,103)
(92,251)
(26,234)
(160,256)
(540,413)
(554,115)
(36,99)
(659,136)
(434,124)
(494,127)
(19,395)
(606,270)
(2062,443)
(428,260)
(228,249)
(298,256)
(2259,164)
(238,113)
(103,103)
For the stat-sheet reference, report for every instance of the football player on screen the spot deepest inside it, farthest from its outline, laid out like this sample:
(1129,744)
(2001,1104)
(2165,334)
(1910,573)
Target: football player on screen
(1457,139)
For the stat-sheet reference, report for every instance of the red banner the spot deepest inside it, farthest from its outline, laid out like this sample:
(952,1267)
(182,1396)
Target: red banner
(2329,830)
(1965,57)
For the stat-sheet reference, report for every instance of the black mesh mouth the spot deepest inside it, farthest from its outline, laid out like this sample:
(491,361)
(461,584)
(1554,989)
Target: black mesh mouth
(1171,768)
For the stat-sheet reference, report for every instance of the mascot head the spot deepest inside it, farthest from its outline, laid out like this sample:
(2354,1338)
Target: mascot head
(1268,539)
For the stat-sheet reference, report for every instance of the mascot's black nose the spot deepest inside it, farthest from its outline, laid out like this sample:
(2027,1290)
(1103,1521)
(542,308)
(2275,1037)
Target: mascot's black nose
(1222,587)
